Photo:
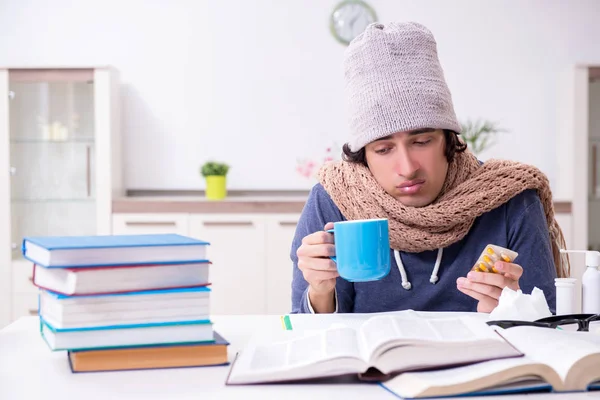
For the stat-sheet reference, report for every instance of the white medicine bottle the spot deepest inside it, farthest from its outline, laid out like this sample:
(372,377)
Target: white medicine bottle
(590,281)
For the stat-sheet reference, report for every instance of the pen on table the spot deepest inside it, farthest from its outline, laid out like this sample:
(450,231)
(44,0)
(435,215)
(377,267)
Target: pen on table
(286,323)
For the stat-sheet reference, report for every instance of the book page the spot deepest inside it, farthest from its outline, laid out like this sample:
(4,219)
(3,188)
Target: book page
(380,331)
(264,359)
(556,348)
(492,376)
(549,356)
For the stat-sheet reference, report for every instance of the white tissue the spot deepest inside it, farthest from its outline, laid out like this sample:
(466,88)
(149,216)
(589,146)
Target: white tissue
(515,305)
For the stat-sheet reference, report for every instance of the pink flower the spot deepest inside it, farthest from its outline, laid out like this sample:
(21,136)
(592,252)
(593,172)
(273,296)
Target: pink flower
(309,167)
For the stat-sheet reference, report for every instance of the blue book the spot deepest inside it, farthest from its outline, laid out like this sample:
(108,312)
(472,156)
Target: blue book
(107,250)
(132,335)
(526,386)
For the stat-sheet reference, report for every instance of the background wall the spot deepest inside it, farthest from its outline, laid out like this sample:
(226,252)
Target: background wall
(259,84)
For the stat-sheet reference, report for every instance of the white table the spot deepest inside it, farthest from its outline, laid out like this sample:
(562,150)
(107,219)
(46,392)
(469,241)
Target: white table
(29,370)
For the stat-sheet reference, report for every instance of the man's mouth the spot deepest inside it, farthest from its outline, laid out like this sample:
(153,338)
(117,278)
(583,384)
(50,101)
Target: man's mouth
(412,186)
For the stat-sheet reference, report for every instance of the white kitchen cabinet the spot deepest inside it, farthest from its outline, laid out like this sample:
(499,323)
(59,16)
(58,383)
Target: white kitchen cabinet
(278,241)
(25,304)
(251,271)
(22,276)
(237,253)
(60,149)
(138,224)
(24,293)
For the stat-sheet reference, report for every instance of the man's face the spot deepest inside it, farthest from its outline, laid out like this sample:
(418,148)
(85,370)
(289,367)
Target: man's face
(410,166)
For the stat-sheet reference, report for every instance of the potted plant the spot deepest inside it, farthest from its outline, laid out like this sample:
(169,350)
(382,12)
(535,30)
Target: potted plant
(215,174)
(479,134)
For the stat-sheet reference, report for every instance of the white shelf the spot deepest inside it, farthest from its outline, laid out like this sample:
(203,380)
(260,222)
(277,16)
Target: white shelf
(70,200)
(47,141)
(59,184)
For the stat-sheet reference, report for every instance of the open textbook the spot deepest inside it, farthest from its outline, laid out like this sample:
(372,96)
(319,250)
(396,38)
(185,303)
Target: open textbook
(554,360)
(378,346)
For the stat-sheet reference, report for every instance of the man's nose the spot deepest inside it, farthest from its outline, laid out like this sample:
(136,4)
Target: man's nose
(406,165)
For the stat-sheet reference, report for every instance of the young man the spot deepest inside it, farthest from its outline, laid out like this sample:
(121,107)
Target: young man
(405,162)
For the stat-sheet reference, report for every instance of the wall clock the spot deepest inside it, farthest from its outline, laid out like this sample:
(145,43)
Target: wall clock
(350,18)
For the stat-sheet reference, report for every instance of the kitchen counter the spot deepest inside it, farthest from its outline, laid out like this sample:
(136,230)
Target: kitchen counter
(562,207)
(279,202)
(268,201)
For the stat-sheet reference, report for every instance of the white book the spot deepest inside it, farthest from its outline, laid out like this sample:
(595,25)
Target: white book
(155,306)
(377,347)
(77,281)
(555,360)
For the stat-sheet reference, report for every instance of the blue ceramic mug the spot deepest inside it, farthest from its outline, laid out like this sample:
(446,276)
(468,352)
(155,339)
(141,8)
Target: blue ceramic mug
(362,249)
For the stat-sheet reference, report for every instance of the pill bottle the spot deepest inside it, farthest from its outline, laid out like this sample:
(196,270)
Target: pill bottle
(590,281)
(565,296)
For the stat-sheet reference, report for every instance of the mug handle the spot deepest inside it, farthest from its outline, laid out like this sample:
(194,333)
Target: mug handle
(334,258)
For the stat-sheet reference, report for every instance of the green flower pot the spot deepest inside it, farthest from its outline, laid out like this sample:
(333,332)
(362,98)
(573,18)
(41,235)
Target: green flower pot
(216,187)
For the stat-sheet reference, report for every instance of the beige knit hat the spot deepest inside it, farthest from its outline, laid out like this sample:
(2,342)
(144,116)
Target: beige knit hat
(394,83)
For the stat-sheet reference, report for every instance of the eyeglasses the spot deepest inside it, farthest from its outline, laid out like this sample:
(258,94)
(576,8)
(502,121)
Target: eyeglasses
(553,322)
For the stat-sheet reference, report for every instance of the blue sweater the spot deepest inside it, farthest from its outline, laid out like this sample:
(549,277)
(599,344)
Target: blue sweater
(519,225)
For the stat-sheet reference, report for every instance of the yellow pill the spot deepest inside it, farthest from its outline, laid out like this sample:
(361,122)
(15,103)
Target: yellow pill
(505,257)
(494,270)
(476,269)
(489,250)
(487,259)
(483,267)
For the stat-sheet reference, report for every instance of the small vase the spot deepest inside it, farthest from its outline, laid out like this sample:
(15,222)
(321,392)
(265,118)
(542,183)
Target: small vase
(216,188)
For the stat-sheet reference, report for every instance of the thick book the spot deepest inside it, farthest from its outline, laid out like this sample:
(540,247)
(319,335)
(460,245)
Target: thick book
(106,250)
(151,357)
(115,279)
(126,335)
(554,361)
(145,307)
(374,349)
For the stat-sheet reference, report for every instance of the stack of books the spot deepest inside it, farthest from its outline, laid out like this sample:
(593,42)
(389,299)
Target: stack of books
(124,302)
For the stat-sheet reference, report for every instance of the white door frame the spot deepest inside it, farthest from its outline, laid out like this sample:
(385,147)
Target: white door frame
(572,150)
(5,214)
(580,157)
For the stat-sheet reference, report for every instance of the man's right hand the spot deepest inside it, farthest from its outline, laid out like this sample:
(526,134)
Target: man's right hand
(318,269)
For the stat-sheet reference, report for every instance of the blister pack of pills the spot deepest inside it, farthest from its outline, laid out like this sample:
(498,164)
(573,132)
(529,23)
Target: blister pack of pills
(491,254)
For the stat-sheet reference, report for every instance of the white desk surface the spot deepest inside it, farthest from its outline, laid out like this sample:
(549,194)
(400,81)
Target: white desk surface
(29,370)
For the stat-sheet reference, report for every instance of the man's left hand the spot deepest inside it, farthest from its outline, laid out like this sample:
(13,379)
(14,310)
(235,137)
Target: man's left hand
(487,287)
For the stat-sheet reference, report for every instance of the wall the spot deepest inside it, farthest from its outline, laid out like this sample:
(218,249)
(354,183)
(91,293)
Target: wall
(259,83)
